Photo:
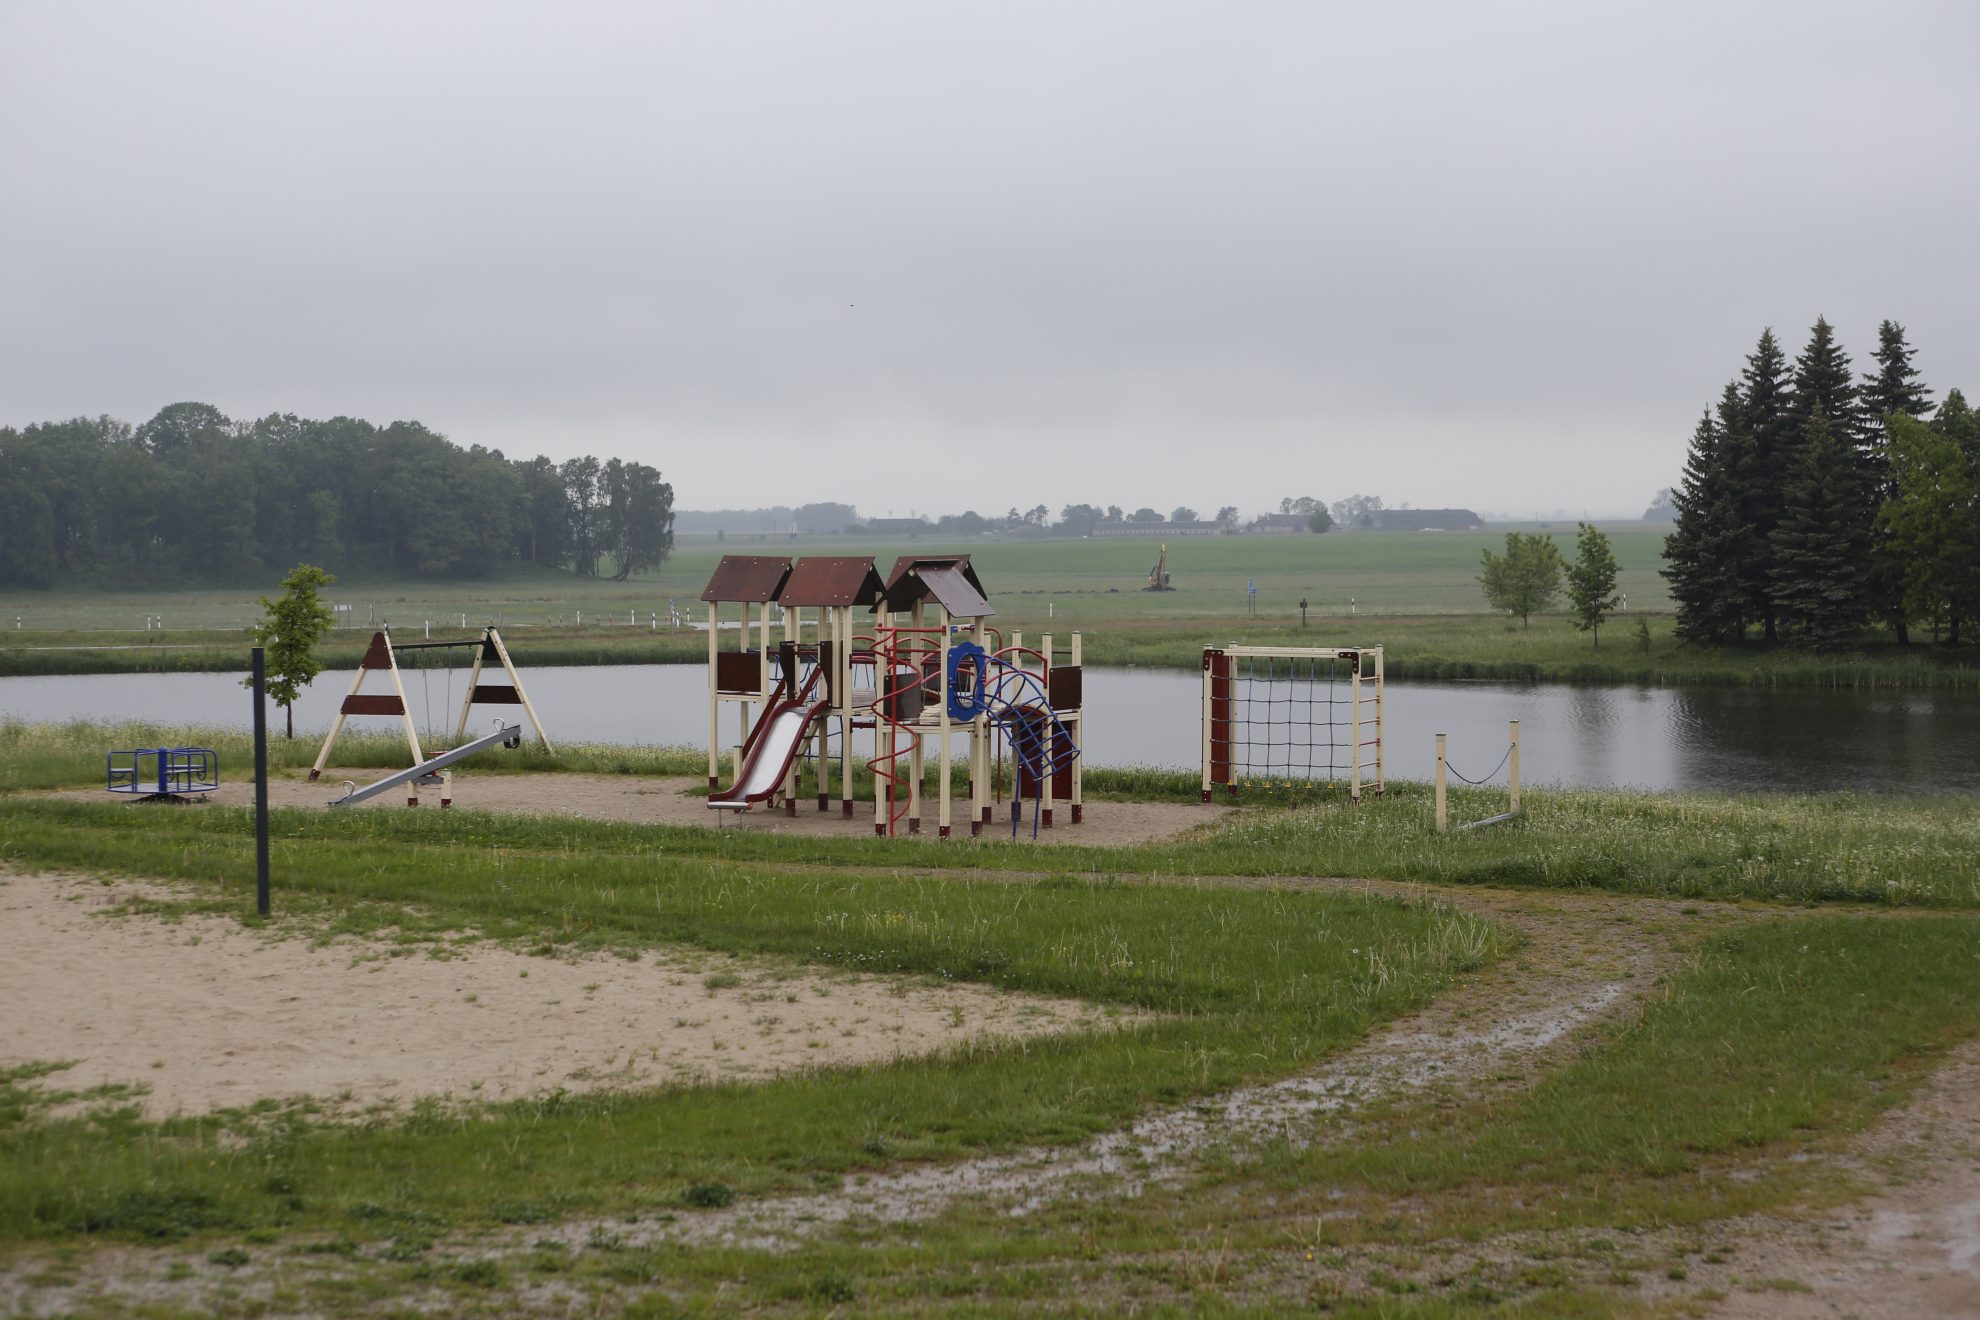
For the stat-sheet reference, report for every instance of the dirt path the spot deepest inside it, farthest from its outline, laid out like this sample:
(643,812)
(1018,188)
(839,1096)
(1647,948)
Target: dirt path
(1584,958)
(1910,1250)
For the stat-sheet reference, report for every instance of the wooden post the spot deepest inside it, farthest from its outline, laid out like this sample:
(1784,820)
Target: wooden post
(1512,768)
(979,741)
(1354,735)
(1208,792)
(1079,728)
(942,723)
(714,699)
(515,681)
(842,657)
(1443,818)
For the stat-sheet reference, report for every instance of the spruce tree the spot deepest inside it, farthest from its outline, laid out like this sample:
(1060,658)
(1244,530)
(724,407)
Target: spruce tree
(1824,383)
(1709,538)
(1892,390)
(1758,429)
(1822,401)
(1822,544)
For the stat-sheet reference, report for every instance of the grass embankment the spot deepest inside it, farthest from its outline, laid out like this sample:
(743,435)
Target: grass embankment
(1775,1040)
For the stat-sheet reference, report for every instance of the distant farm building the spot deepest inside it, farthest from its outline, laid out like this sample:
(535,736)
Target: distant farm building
(1157,530)
(1278,524)
(1419,520)
(896,526)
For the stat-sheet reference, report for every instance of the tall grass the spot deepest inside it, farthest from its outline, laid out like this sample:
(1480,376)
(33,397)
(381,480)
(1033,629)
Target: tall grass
(72,755)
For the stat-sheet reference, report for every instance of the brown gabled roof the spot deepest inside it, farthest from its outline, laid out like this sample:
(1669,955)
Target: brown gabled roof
(905,562)
(751,579)
(947,579)
(833,580)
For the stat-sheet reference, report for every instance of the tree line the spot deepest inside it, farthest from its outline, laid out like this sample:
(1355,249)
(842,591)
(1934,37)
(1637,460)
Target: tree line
(192,495)
(1816,504)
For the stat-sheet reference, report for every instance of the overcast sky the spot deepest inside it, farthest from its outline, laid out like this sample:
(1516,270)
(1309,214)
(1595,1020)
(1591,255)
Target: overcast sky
(931,254)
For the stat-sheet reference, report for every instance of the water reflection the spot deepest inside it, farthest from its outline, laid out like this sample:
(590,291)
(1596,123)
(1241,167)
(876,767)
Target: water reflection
(1720,739)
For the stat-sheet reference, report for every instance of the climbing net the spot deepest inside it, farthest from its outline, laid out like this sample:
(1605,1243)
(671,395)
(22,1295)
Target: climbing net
(1276,717)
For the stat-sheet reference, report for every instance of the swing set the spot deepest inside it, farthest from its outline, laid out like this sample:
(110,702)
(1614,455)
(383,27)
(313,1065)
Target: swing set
(382,656)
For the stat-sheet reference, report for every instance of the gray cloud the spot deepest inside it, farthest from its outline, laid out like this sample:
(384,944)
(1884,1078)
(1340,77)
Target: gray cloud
(928,256)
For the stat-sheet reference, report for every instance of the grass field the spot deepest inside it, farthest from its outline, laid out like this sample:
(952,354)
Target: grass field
(1783,971)
(1089,583)
(1416,595)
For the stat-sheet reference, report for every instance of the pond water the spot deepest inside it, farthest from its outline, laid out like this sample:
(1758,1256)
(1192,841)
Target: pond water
(1665,738)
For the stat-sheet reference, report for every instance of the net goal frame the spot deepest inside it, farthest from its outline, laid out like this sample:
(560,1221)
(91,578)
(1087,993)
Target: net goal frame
(1232,751)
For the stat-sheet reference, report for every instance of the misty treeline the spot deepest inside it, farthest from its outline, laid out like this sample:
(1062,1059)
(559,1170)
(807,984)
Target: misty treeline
(1816,503)
(779,518)
(1082,519)
(193,496)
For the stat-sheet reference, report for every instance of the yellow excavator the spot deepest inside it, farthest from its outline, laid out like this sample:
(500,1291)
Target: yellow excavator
(1158,576)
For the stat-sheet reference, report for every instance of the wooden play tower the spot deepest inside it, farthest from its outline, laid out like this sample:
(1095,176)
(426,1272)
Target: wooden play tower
(928,672)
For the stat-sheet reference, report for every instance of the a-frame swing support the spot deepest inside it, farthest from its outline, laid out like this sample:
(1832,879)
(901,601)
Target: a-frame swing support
(382,655)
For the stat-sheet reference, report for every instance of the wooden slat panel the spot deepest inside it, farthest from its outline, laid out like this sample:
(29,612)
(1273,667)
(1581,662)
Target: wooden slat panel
(494,694)
(378,655)
(738,671)
(359,704)
(1220,716)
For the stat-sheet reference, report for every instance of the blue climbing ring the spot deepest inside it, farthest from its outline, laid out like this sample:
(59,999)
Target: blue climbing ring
(966,706)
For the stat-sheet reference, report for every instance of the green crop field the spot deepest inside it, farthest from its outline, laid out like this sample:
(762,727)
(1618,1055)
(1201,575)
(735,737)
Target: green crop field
(1588,1063)
(1088,583)
(1417,595)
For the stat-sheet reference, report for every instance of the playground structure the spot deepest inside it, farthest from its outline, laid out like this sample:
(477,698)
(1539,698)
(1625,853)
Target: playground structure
(162,773)
(929,670)
(1279,714)
(382,656)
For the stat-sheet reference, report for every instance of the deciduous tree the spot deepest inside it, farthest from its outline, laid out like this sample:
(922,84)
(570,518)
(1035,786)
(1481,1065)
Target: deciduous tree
(1526,578)
(1931,524)
(1591,580)
(290,627)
